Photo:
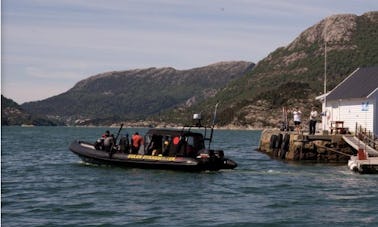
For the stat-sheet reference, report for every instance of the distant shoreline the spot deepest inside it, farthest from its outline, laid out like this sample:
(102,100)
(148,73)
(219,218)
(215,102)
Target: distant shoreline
(141,126)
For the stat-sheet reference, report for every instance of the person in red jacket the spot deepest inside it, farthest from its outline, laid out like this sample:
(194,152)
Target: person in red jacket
(136,142)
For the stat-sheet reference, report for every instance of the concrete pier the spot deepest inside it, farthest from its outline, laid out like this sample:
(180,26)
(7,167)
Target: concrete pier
(301,147)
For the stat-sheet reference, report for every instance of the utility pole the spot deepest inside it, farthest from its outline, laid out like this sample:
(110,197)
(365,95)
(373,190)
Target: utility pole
(325,123)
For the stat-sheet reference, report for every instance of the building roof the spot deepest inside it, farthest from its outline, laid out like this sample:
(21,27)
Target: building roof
(360,84)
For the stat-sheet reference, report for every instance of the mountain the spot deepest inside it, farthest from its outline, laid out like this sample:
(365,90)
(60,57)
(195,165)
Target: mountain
(136,94)
(13,114)
(293,76)
(249,96)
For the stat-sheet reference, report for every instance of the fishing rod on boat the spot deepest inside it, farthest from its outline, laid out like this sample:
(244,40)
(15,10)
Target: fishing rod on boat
(212,126)
(115,141)
(119,131)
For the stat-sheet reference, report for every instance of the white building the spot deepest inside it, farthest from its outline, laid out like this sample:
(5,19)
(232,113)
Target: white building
(354,100)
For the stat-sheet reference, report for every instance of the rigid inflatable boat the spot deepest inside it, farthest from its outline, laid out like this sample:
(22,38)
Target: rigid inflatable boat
(175,149)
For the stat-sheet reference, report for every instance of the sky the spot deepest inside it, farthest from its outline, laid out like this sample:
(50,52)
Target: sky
(50,45)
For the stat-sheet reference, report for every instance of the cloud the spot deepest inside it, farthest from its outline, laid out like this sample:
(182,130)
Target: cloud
(69,40)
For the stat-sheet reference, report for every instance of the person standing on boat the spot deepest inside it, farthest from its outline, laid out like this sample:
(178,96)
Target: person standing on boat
(106,134)
(124,144)
(99,145)
(166,146)
(313,116)
(297,114)
(136,142)
(109,142)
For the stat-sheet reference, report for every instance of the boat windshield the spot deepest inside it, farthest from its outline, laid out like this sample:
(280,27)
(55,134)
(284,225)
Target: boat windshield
(170,144)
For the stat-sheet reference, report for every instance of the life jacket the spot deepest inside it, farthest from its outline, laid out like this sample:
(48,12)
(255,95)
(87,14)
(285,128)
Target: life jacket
(137,140)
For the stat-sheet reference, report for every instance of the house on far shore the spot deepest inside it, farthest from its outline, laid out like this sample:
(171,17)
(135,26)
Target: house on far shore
(353,101)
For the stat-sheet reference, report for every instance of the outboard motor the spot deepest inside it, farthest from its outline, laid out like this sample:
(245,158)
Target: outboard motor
(219,153)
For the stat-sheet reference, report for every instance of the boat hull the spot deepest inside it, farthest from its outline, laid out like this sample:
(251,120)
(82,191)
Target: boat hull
(369,165)
(88,153)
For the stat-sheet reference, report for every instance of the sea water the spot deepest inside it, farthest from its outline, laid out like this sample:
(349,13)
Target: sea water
(44,184)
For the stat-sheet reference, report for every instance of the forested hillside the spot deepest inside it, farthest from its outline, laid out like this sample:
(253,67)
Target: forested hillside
(13,114)
(293,76)
(136,94)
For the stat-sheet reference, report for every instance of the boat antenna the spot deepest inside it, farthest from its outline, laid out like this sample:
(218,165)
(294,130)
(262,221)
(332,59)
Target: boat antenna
(197,119)
(215,114)
(212,126)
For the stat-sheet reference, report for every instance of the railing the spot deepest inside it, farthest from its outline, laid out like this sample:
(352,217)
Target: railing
(366,136)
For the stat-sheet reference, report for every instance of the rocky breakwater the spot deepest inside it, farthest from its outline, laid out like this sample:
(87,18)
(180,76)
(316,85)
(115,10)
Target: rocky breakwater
(301,147)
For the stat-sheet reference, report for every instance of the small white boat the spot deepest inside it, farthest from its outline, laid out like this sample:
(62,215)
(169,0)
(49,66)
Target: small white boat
(362,163)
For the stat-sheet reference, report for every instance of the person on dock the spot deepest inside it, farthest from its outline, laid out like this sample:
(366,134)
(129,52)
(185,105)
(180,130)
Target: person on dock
(297,115)
(312,124)
(136,142)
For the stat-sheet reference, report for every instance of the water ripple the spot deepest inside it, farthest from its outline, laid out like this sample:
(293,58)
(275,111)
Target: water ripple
(43,184)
